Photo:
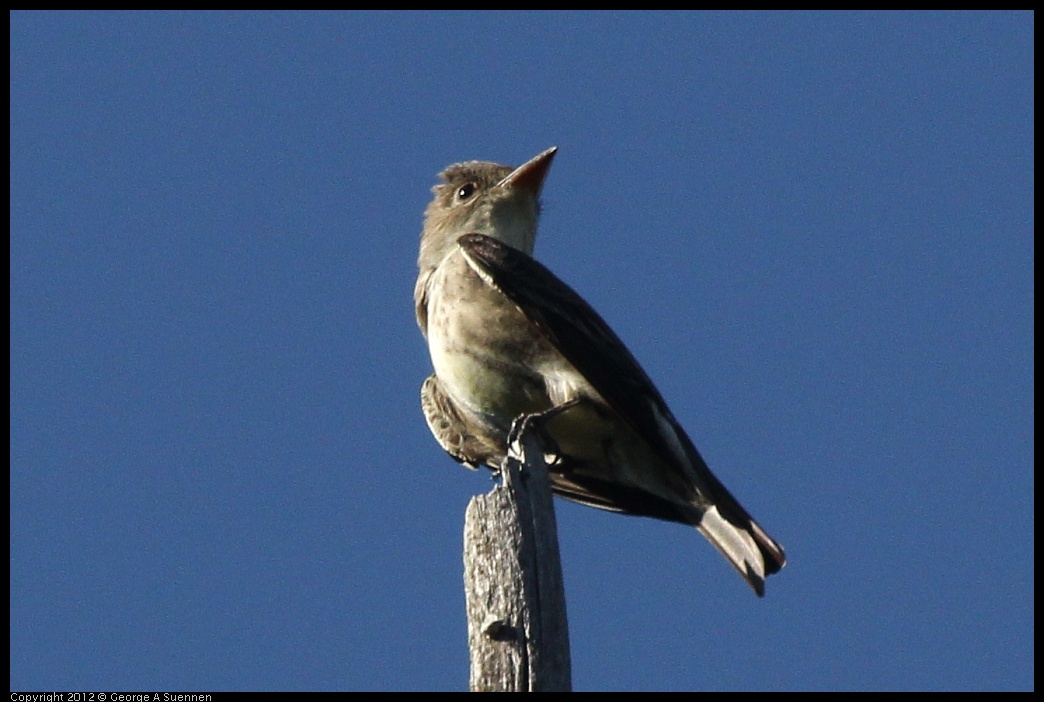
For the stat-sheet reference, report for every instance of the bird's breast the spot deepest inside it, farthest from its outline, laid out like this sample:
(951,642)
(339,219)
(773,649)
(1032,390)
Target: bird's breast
(484,350)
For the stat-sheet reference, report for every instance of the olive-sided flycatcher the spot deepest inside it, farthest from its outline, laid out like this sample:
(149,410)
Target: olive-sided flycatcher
(508,338)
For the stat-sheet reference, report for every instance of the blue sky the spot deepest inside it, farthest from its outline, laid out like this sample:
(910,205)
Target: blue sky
(815,231)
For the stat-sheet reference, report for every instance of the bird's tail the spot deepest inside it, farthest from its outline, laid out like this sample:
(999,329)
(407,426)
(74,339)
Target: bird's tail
(745,544)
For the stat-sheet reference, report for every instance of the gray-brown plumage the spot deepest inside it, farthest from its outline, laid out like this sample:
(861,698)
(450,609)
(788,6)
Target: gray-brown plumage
(507,338)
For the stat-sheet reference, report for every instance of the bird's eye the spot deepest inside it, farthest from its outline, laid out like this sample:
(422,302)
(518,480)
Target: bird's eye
(466,191)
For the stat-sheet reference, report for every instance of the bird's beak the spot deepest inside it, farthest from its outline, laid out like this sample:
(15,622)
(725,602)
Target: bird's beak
(530,175)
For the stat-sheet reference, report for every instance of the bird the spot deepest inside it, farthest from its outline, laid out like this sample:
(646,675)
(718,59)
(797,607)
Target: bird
(508,339)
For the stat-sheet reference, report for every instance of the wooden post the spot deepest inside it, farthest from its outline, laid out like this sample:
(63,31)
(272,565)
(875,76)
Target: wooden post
(517,629)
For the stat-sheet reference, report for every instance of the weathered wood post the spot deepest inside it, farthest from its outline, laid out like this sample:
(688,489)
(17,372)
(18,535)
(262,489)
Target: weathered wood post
(517,629)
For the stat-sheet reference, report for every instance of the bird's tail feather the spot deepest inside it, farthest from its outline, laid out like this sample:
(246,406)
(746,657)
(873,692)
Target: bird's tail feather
(750,550)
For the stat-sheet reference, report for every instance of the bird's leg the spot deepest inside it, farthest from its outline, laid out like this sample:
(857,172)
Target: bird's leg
(535,422)
(496,472)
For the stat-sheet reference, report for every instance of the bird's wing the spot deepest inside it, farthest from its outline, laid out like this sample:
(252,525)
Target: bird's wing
(586,341)
(582,337)
(420,301)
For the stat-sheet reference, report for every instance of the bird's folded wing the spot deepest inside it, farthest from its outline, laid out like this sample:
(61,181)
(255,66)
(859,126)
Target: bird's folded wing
(597,353)
(580,334)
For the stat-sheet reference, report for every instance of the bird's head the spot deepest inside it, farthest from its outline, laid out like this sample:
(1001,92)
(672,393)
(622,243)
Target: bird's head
(485,198)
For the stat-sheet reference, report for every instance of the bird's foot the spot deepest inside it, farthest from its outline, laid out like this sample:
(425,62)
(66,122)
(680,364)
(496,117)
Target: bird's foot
(535,423)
